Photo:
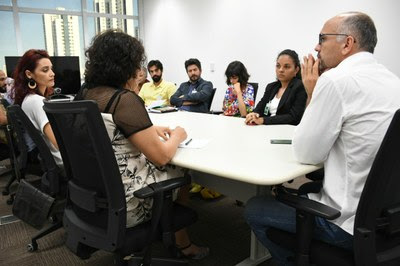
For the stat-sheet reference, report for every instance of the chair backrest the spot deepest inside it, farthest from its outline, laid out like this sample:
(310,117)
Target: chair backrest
(377,222)
(96,208)
(21,123)
(211,98)
(255,87)
(20,161)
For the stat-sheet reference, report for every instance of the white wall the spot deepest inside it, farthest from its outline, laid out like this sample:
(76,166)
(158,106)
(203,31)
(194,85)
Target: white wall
(252,31)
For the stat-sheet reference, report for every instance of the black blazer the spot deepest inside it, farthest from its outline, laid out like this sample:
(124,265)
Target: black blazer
(291,106)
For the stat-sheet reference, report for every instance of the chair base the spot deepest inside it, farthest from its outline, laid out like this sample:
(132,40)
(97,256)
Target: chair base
(137,261)
(33,246)
(6,190)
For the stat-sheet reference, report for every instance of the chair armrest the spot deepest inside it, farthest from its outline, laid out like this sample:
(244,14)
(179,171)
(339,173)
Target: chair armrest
(310,187)
(309,206)
(166,185)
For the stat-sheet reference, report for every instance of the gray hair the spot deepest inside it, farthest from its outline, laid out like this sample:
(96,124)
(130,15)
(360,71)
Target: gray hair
(144,69)
(362,28)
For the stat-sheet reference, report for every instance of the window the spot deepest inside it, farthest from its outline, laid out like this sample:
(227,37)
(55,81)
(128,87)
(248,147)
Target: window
(115,7)
(72,5)
(5,2)
(61,26)
(7,42)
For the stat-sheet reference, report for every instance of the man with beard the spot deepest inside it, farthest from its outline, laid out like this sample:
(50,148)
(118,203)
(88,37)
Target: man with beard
(3,78)
(194,94)
(158,89)
(351,102)
(4,151)
(5,98)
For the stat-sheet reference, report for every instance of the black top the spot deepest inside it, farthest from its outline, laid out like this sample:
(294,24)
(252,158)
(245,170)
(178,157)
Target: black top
(291,106)
(127,108)
(201,97)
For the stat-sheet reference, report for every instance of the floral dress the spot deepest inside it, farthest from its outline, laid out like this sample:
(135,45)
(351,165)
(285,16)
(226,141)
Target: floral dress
(231,104)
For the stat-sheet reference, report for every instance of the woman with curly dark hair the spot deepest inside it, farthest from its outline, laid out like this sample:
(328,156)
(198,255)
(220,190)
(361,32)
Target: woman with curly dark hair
(239,97)
(33,81)
(113,61)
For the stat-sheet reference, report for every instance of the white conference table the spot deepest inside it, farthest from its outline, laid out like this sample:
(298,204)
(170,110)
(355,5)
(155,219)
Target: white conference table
(238,161)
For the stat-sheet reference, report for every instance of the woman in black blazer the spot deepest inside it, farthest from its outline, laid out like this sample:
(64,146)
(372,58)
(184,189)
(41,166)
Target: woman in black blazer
(284,100)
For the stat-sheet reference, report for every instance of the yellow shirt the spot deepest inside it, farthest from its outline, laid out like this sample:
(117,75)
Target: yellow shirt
(150,93)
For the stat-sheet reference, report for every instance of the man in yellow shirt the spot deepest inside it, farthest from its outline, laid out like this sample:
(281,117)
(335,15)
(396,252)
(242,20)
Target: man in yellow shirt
(158,89)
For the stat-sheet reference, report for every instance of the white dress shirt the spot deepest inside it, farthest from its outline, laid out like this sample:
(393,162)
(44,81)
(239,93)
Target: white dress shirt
(343,126)
(273,105)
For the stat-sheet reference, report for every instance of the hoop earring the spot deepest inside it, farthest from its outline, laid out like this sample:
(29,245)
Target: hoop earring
(32,84)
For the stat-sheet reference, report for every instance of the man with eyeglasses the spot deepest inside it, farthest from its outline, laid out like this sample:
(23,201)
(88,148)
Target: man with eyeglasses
(351,101)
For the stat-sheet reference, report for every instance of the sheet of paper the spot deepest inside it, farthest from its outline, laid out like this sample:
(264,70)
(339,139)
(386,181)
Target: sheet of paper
(157,103)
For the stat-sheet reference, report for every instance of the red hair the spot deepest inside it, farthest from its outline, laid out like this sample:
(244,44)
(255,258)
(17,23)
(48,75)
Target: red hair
(27,62)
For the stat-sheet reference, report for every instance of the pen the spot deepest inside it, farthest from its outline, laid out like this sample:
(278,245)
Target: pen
(187,142)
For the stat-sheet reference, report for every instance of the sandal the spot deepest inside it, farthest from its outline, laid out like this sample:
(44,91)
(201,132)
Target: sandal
(204,252)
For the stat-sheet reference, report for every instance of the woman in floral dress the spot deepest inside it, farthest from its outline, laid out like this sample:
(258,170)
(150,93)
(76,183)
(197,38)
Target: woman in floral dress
(239,97)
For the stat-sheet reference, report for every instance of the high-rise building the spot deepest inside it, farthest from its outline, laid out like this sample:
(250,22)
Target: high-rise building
(115,7)
(61,33)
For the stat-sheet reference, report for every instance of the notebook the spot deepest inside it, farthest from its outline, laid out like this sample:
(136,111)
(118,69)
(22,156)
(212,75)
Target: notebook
(164,109)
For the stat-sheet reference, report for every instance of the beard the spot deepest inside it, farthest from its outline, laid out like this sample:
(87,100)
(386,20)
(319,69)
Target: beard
(156,78)
(194,78)
(322,66)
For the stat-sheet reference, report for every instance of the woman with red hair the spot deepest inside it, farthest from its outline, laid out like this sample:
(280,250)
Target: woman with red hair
(34,80)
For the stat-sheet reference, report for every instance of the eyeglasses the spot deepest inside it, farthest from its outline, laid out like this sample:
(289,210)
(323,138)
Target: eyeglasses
(321,36)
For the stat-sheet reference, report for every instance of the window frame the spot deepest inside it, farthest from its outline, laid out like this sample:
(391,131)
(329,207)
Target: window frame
(84,14)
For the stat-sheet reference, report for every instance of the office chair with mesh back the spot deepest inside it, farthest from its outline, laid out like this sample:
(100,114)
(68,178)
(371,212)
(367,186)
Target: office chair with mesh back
(8,151)
(23,162)
(377,220)
(255,87)
(211,99)
(51,180)
(95,215)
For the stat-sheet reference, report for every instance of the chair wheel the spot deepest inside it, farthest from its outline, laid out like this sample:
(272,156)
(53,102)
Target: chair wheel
(10,201)
(239,203)
(32,247)
(53,219)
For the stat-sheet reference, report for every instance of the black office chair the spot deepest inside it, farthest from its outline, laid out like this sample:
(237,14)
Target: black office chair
(211,98)
(95,216)
(23,162)
(51,180)
(255,87)
(7,152)
(377,220)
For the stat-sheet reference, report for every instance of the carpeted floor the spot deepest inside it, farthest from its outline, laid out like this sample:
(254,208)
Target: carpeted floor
(220,226)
